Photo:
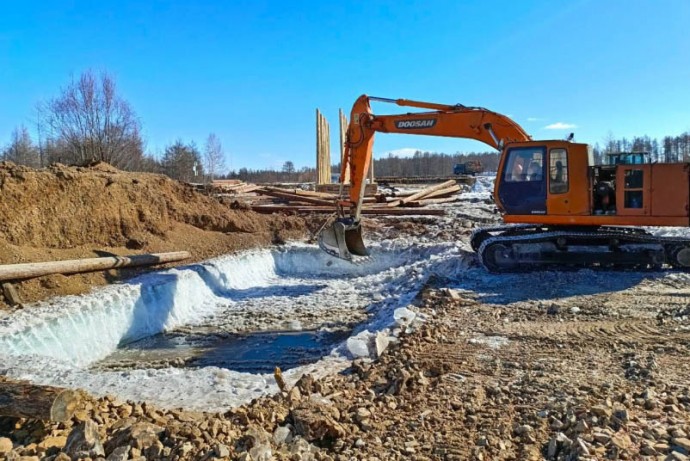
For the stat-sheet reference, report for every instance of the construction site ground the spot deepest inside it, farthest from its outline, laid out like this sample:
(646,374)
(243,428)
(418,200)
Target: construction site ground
(560,365)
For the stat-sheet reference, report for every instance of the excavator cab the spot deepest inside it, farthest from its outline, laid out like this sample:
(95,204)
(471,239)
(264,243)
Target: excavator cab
(343,239)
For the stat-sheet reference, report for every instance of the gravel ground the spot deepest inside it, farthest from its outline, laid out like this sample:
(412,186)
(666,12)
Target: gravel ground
(554,365)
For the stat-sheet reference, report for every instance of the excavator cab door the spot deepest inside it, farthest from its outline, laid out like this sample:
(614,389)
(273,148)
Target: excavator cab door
(522,188)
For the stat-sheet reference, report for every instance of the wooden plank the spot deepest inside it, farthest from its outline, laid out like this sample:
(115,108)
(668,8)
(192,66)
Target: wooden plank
(74,266)
(422,193)
(21,399)
(365,211)
(369,189)
(293,197)
(443,192)
(433,201)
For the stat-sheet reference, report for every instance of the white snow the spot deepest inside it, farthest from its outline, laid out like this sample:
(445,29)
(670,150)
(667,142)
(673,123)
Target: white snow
(56,342)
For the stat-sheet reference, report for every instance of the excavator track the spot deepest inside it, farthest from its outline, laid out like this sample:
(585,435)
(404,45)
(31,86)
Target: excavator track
(528,248)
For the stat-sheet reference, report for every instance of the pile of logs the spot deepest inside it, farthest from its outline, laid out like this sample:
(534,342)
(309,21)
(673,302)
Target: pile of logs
(410,203)
(231,186)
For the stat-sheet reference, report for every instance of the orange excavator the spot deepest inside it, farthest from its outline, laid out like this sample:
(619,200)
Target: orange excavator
(559,209)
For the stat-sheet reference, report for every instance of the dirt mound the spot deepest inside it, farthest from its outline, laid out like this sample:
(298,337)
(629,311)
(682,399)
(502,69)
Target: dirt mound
(69,212)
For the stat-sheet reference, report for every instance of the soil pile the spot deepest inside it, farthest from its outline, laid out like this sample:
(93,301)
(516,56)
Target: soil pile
(73,212)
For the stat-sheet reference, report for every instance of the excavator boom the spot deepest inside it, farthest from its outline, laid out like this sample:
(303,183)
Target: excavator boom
(344,237)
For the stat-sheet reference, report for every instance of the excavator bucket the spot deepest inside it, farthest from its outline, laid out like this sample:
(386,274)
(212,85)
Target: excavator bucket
(343,240)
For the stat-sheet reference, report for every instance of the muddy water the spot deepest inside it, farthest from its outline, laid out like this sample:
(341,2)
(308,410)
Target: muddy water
(257,352)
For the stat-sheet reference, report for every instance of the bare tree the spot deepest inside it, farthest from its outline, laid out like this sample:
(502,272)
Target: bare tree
(21,149)
(288,167)
(93,123)
(214,159)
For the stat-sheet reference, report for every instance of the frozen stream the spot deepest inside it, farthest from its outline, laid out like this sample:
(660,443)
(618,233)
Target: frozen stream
(216,312)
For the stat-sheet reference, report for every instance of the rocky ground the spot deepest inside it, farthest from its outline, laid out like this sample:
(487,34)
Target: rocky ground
(555,365)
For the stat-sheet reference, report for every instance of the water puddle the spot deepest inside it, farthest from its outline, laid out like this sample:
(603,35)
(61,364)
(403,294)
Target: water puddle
(248,353)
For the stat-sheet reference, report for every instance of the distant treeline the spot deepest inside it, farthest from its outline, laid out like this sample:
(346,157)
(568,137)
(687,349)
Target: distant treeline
(89,122)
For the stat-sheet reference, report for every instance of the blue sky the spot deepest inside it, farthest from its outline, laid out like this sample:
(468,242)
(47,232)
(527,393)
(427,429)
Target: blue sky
(253,72)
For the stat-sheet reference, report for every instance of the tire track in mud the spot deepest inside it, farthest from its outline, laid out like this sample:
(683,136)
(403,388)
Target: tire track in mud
(632,331)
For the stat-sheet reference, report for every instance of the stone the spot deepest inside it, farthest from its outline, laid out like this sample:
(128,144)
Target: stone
(84,441)
(282,435)
(601,410)
(314,422)
(362,414)
(261,452)
(621,414)
(119,454)
(621,441)
(523,429)
(294,396)
(53,442)
(601,438)
(5,445)
(381,343)
(62,457)
(359,443)
(648,451)
(186,448)
(682,442)
(141,435)
(551,450)
(221,451)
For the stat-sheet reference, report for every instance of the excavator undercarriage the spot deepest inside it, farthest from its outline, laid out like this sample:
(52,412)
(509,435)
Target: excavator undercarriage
(524,248)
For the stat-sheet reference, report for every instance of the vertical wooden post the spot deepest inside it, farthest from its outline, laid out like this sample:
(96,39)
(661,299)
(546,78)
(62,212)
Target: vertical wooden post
(318,146)
(343,131)
(323,150)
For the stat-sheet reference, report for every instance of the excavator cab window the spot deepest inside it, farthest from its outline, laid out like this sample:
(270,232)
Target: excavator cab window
(558,171)
(525,165)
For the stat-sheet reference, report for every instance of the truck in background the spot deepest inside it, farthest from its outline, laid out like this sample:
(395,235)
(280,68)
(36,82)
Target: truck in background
(471,167)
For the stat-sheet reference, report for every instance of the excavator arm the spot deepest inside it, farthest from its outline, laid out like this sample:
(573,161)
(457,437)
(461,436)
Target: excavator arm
(343,238)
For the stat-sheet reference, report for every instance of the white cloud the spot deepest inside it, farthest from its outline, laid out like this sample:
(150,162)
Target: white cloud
(560,126)
(535,119)
(404,152)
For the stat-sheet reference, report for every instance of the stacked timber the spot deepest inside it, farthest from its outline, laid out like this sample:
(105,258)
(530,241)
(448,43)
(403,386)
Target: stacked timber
(231,187)
(410,203)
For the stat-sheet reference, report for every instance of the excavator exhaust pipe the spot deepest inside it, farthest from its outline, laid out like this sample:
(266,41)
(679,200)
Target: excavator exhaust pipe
(343,240)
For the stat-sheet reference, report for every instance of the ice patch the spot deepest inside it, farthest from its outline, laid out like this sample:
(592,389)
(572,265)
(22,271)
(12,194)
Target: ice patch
(494,342)
(55,343)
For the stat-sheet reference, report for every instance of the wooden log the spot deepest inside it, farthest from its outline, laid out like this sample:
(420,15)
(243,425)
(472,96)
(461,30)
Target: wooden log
(432,201)
(422,193)
(444,192)
(246,188)
(74,266)
(293,197)
(365,211)
(21,399)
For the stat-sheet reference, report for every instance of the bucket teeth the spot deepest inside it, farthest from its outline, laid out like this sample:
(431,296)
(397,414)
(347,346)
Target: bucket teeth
(343,241)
